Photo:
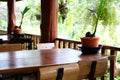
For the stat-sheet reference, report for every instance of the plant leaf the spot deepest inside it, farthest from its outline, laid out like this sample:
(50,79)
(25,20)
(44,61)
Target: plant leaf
(25,10)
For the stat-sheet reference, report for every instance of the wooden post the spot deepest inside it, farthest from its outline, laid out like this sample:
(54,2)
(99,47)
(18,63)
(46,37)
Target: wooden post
(11,16)
(49,10)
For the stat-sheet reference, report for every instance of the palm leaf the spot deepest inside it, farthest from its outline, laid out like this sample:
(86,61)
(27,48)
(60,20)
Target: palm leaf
(25,10)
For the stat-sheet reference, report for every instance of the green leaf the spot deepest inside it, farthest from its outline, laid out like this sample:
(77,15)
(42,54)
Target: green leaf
(25,10)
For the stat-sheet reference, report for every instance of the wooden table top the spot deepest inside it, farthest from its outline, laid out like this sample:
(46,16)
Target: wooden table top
(34,59)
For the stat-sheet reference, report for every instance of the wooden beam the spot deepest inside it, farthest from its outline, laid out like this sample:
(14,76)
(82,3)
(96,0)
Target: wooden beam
(11,16)
(49,10)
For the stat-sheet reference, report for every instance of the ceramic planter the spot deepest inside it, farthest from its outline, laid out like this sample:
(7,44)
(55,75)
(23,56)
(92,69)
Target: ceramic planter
(90,42)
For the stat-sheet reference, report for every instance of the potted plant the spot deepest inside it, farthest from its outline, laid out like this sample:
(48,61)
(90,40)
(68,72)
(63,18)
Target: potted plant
(98,14)
(18,29)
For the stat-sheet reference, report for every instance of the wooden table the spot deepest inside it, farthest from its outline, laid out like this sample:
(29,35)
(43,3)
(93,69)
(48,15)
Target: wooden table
(32,60)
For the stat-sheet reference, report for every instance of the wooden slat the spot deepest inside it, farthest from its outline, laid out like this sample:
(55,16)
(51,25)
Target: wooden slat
(65,43)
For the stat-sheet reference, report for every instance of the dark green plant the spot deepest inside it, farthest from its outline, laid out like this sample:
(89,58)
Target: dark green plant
(26,9)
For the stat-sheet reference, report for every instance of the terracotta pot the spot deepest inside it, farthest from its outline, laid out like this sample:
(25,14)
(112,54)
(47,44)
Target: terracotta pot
(90,42)
(17,31)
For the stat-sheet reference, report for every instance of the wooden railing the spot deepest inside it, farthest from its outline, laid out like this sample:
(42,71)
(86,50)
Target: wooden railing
(35,39)
(66,43)
(112,50)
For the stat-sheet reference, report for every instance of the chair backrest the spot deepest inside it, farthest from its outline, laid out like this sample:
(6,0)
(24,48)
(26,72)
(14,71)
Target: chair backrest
(45,46)
(92,68)
(10,47)
(60,72)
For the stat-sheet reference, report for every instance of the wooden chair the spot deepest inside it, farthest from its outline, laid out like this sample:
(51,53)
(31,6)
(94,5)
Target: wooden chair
(10,47)
(6,48)
(45,46)
(60,72)
(91,69)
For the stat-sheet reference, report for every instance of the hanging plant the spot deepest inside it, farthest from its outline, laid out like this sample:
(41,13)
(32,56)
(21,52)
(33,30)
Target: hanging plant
(63,9)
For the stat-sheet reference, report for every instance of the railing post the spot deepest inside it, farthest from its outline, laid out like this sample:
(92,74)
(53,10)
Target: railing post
(113,65)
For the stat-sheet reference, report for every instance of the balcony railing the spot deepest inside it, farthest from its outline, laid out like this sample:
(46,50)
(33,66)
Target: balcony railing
(35,39)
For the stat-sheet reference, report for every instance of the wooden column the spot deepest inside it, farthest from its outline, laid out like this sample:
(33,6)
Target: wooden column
(11,16)
(49,10)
